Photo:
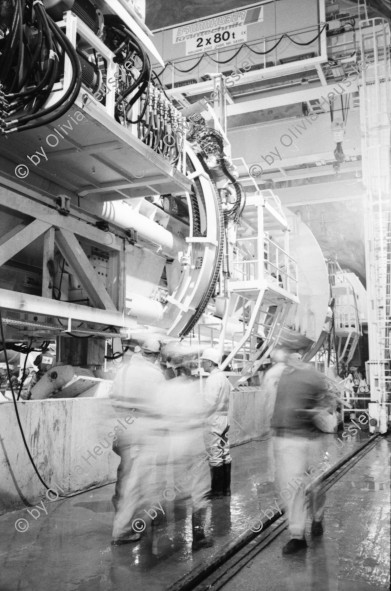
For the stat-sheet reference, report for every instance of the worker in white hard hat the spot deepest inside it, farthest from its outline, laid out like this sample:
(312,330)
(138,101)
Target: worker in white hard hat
(135,389)
(217,390)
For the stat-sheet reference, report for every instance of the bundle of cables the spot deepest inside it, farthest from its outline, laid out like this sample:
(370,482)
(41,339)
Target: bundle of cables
(128,50)
(211,144)
(156,120)
(32,56)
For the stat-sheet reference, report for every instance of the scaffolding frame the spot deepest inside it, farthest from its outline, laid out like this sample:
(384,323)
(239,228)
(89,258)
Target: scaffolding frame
(375,101)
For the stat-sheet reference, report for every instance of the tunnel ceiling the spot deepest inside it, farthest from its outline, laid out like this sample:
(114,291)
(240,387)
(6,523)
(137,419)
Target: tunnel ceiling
(339,229)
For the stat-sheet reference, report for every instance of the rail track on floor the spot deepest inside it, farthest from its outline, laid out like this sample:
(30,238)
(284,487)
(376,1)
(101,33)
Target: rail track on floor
(215,573)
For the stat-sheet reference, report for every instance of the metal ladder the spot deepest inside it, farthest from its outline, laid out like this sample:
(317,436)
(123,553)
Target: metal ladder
(375,101)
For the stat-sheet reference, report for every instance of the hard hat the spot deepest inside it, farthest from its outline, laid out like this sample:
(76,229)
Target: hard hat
(211,355)
(151,345)
(279,355)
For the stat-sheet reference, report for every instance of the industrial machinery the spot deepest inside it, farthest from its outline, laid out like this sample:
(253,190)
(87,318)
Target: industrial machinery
(126,208)
(122,214)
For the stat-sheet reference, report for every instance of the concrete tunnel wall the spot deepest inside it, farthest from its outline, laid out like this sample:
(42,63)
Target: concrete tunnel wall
(62,435)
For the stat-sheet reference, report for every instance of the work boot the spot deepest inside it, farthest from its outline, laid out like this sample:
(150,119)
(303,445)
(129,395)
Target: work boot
(294,545)
(217,473)
(317,529)
(128,539)
(227,480)
(200,540)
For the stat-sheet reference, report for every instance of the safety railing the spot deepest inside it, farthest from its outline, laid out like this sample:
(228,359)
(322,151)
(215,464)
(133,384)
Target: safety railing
(346,318)
(375,103)
(257,54)
(276,266)
(152,118)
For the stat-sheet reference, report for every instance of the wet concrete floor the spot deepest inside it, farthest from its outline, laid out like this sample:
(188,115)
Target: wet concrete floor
(65,544)
(354,552)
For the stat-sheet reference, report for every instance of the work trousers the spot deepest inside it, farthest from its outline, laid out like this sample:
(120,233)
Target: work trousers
(294,456)
(216,441)
(141,476)
(191,472)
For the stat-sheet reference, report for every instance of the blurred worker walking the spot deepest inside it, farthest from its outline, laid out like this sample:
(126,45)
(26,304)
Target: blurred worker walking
(135,387)
(302,401)
(217,390)
(180,402)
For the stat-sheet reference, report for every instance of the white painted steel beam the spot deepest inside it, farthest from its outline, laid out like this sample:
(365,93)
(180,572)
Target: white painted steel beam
(13,300)
(21,240)
(16,202)
(77,259)
(48,254)
(252,77)
(106,187)
(11,233)
(287,98)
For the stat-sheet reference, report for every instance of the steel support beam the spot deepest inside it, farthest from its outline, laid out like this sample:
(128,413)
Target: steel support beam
(16,202)
(76,257)
(48,255)
(286,98)
(22,239)
(23,302)
(252,77)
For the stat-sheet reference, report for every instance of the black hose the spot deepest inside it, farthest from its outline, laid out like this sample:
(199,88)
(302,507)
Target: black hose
(8,51)
(48,74)
(16,407)
(73,90)
(20,45)
(46,116)
(63,496)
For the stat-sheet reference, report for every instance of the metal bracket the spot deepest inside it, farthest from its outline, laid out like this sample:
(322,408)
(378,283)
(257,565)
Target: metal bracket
(131,236)
(63,204)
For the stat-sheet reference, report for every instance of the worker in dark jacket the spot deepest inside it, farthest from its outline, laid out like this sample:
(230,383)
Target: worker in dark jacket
(302,395)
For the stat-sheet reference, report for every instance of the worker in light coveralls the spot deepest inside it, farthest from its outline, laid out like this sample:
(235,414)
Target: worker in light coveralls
(180,403)
(136,387)
(217,390)
(301,396)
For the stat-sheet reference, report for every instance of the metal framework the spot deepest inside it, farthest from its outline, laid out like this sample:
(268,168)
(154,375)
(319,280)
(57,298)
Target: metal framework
(262,287)
(375,100)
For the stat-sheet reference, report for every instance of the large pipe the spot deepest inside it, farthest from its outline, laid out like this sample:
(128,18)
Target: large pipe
(139,306)
(146,311)
(124,216)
